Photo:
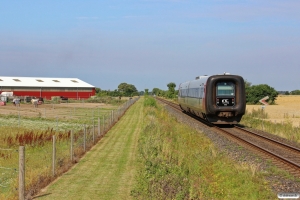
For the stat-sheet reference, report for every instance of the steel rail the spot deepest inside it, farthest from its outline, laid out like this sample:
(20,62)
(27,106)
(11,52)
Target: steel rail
(289,147)
(260,149)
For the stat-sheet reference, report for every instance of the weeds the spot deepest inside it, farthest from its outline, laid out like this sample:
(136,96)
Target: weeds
(34,133)
(33,138)
(177,162)
(148,101)
(258,119)
(259,113)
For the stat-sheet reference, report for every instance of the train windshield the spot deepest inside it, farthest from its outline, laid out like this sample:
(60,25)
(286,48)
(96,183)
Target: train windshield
(225,89)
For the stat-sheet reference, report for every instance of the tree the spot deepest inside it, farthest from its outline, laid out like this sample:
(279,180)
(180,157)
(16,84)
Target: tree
(97,90)
(156,91)
(146,91)
(295,92)
(122,88)
(127,89)
(257,92)
(171,90)
(247,86)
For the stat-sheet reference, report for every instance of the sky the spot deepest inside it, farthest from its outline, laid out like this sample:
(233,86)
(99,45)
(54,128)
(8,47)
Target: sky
(150,43)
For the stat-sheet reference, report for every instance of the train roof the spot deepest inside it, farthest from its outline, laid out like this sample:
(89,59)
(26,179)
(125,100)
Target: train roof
(43,82)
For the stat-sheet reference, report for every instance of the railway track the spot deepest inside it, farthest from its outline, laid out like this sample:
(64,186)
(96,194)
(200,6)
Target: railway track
(282,155)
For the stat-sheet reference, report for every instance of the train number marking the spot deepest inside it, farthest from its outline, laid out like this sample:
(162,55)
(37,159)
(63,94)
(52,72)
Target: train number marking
(225,101)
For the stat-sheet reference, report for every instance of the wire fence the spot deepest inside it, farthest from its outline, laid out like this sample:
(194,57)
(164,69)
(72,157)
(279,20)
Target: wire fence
(50,152)
(52,113)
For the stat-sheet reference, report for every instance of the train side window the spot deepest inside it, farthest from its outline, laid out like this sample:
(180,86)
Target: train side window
(183,92)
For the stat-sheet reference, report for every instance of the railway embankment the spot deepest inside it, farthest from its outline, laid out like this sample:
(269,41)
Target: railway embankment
(179,161)
(155,153)
(277,179)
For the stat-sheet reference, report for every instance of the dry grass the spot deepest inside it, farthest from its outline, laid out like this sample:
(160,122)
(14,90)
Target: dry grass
(52,110)
(29,130)
(287,107)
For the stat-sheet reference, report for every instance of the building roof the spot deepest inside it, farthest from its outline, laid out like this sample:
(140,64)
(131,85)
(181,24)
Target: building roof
(42,82)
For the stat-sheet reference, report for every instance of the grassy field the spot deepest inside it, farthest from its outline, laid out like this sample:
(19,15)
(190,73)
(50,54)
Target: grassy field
(149,155)
(178,162)
(287,108)
(282,119)
(26,126)
(108,171)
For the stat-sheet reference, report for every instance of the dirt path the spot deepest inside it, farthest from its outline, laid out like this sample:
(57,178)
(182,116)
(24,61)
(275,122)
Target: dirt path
(108,170)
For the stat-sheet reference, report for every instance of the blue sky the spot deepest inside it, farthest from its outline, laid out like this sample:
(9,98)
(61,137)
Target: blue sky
(150,43)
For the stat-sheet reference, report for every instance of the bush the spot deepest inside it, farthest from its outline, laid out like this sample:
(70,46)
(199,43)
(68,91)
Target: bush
(106,100)
(150,102)
(257,92)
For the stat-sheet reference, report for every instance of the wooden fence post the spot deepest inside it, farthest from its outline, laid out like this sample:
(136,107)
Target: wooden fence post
(103,123)
(84,139)
(110,118)
(99,131)
(71,146)
(93,130)
(21,172)
(53,155)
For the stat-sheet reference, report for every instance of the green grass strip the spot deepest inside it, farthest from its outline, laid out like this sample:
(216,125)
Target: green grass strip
(107,171)
(177,162)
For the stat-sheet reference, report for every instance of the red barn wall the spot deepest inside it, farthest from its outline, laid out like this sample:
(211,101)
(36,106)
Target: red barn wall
(47,94)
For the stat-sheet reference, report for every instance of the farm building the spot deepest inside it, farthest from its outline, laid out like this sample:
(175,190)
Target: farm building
(46,88)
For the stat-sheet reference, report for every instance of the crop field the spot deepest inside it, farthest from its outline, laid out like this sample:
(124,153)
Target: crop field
(287,108)
(282,119)
(34,128)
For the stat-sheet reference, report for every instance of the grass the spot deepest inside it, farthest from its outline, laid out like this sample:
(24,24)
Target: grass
(35,133)
(177,162)
(108,170)
(258,119)
(38,147)
(147,155)
(286,106)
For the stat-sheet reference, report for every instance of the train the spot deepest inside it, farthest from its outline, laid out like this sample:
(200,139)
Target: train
(219,99)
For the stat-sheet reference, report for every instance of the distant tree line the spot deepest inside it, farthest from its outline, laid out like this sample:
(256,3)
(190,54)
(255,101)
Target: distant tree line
(124,90)
(253,92)
(294,92)
(171,93)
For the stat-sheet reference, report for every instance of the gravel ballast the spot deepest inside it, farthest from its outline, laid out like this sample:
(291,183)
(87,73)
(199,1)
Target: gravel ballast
(278,182)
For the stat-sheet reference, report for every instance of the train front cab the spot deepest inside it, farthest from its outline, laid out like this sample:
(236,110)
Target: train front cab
(225,100)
